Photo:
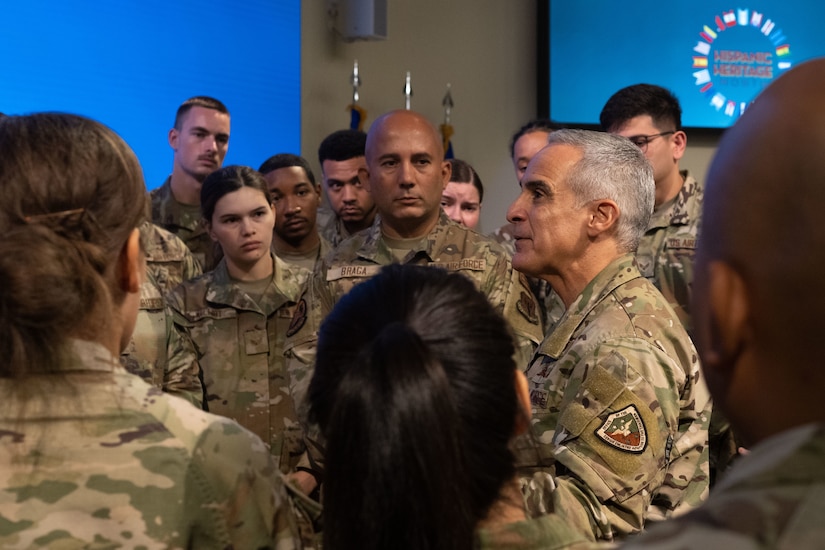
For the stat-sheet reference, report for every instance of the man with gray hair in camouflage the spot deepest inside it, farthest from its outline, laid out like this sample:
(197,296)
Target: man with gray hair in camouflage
(762,251)
(620,412)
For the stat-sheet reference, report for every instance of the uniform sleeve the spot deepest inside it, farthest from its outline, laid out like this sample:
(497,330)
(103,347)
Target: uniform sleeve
(182,373)
(627,446)
(522,311)
(300,351)
(236,494)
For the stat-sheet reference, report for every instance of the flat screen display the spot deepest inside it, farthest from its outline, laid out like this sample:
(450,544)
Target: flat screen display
(714,55)
(131,64)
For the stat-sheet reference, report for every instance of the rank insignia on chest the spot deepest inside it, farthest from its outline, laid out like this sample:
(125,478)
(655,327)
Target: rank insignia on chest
(624,430)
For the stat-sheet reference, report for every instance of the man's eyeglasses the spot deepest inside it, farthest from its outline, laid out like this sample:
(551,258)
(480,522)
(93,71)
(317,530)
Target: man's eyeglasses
(642,141)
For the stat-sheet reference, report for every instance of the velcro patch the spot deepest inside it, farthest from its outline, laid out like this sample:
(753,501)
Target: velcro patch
(350,271)
(526,305)
(298,318)
(683,242)
(471,264)
(624,430)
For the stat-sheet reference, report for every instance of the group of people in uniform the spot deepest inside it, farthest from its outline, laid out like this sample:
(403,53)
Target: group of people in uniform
(378,374)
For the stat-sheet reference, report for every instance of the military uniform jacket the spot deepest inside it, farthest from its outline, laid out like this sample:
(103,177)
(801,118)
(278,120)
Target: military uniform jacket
(666,251)
(167,213)
(168,263)
(238,345)
(772,498)
(544,532)
(93,457)
(620,411)
(450,246)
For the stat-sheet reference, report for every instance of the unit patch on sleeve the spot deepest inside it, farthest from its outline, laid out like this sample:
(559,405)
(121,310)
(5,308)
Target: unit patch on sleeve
(298,318)
(624,430)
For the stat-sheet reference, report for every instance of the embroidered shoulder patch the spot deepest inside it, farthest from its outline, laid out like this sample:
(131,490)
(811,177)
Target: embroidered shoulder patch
(526,305)
(298,318)
(624,430)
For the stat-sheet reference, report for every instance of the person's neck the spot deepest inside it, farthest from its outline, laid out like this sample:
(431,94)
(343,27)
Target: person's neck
(255,271)
(571,282)
(356,226)
(304,246)
(507,509)
(413,230)
(668,188)
(185,188)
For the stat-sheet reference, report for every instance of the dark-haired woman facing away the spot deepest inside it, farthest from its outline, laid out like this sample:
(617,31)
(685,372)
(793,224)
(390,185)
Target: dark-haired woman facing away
(90,455)
(418,401)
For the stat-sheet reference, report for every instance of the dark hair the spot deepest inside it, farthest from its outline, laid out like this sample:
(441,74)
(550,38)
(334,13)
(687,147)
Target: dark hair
(342,145)
(198,101)
(638,100)
(463,172)
(535,125)
(73,193)
(226,180)
(287,160)
(417,403)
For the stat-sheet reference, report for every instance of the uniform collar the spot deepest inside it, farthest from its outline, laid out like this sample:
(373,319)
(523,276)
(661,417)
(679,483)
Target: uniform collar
(618,272)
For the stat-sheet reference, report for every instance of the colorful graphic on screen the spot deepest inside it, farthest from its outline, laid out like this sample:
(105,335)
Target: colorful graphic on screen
(714,55)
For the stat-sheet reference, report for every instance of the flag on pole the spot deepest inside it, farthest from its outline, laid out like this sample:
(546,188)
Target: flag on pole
(357,114)
(447,128)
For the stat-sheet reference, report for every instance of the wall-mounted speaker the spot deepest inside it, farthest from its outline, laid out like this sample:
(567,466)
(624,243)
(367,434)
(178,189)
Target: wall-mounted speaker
(360,19)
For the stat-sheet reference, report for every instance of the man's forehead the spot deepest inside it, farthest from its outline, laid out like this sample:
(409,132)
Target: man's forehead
(552,162)
(637,126)
(336,168)
(207,118)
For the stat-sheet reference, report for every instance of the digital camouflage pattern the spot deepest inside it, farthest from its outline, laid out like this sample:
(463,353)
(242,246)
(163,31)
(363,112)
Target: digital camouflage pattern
(93,457)
(330,227)
(301,273)
(542,531)
(552,308)
(187,226)
(620,411)
(667,249)
(449,245)
(239,346)
(771,499)
(168,263)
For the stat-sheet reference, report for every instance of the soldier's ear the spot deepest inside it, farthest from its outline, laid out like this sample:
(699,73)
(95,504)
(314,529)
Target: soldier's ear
(728,309)
(130,264)
(173,139)
(603,216)
(364,178)
(523,413)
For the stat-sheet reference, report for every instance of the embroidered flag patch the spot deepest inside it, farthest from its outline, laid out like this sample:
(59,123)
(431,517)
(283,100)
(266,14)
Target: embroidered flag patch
(624,430)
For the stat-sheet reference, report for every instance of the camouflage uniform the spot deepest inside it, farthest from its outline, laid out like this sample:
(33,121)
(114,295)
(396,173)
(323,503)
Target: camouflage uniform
(168,213)
(667,249)
(771,499)
(330,227)
(552,308)
(544,532)
(238,345)
(168,263)
(93,457)
(620,411)
(302,274)
(449,245)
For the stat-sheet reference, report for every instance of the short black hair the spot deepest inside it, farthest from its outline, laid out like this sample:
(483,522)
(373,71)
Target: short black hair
(342,145)
(287,160)
(535,125)
(638,100)
(198,101)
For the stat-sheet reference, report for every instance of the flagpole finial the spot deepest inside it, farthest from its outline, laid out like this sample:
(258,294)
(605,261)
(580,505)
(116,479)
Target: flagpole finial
(448,104)
(407,91)
(355,80)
